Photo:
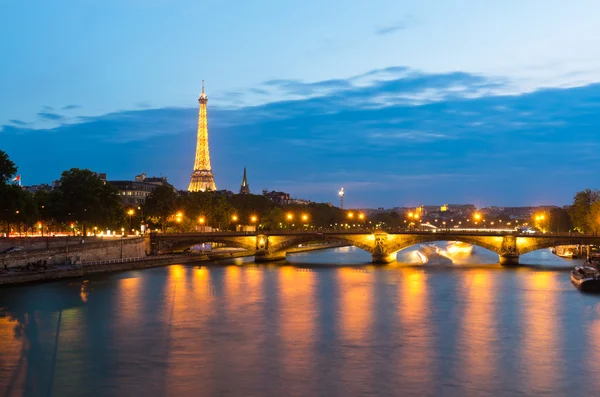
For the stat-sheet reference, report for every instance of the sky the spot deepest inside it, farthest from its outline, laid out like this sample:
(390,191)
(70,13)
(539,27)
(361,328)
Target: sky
(402,103)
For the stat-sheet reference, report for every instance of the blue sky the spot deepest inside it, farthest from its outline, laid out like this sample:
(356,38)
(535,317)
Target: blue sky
(402,103)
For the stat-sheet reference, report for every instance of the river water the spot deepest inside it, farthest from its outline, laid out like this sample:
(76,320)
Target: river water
(327,323)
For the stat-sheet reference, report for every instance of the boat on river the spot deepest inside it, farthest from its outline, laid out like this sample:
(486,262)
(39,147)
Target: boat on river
(586,278)
(459,248)
(566,251)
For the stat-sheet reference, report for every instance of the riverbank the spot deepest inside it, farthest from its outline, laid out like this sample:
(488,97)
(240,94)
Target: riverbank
(74,271)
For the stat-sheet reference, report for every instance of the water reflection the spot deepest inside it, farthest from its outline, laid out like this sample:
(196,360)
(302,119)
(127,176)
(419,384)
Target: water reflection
(415,308)
(541,332)
(278,329)
(355,321)
(477,336)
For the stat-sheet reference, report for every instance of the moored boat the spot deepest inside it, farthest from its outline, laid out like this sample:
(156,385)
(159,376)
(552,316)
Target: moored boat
(566,251)
(586,278)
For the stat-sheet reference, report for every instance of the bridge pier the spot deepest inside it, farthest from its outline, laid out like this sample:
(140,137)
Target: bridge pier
(509,260)
(383,258)
(260,257)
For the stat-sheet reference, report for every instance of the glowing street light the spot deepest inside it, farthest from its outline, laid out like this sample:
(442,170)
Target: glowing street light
(289,216)
(477,216)
(350,215)
(341,194)
(201,220)
(253,219)
(234,218)
(304,217)
(361,216)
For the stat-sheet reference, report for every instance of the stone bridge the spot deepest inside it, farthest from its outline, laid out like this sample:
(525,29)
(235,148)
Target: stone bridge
(382,246)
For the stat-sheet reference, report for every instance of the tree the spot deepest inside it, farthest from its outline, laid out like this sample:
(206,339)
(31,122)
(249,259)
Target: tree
(580,209)
(560,221)
(593,218)
(161,205)
(7,168)
(85,198)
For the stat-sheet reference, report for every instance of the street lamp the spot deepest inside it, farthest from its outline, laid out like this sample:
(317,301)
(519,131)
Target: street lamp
(477,216)
(130,213)
(253,219)
(341,193)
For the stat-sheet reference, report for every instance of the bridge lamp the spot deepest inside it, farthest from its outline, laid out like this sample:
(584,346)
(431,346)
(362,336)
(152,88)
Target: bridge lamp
(304,217)
(253,219)
(234,218)
(289,216)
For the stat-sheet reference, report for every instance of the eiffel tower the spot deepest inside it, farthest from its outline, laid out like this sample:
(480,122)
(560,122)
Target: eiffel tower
(202,177)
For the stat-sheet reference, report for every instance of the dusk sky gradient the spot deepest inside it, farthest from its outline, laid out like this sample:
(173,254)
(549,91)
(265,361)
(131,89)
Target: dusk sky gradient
(401,102)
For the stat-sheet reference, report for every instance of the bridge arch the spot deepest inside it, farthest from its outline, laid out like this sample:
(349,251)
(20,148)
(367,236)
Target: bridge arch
(285,245)
(397,246)
(181,244)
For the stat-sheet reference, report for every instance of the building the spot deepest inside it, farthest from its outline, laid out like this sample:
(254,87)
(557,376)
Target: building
(280,198)
(134,193)
(202,178)
(244,189)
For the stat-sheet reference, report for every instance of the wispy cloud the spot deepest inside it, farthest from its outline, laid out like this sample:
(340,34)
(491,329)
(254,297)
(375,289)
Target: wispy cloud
(71,107)
(51,116)
(397,26)
(18,122)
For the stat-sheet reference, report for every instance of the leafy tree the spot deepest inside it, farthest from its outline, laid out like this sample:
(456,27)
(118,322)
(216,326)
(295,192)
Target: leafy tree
(560,221)
(161,205)
(7,168)
(593,218)
(580,209)
(84,198)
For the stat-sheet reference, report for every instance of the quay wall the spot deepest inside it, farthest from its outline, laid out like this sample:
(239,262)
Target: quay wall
(47,242)
(81,251)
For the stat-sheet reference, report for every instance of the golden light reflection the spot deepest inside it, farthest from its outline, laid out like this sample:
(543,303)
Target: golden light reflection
(298,321)
(356,295)
(11,347)
(541,331)
(415,323)
(478,329)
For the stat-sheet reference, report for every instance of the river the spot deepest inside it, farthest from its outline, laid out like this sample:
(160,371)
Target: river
(325,323)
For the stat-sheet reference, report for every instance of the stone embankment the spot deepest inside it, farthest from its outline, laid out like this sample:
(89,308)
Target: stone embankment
(18,276)
(68,250)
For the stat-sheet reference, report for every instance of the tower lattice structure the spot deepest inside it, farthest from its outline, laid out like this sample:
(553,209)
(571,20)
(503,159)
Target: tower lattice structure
(202,178)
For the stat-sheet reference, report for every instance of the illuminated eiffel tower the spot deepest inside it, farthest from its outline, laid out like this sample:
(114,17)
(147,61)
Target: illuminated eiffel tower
(202,177)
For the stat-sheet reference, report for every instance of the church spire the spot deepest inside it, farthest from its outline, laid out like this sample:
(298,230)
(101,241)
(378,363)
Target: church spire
(244,189)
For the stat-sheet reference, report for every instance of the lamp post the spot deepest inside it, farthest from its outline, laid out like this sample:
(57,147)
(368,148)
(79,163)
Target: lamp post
(130,213)
(341,193)
(305,219)
(201,220)
(234,220)
(289,217)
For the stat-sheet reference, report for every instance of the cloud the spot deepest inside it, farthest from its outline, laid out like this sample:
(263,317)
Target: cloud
(71,107)
(397,26)
(51,116)
(18,122)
